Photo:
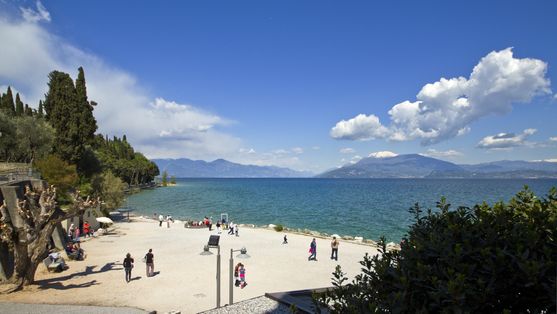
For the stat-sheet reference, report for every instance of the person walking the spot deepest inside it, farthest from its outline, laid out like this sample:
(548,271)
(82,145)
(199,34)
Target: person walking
(242,276)
(128,265)
(236,230)
(149,260)
(168,221)
(161,218)
(313,250)
(334,249)
(231,228)
(285,241)
(218,227)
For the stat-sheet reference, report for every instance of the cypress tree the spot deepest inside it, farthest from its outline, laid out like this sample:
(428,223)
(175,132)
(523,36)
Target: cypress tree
(19,111)
(62,111)
(87,120)
(28,110)
(8,103)
(40,112)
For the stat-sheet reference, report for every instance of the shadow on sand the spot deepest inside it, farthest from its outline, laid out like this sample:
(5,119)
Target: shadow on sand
(57,282)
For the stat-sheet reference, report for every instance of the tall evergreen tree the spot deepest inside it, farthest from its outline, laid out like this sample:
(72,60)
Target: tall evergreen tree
(87,120)
(19,111)
(28,111)
(40,112)
(62,111)
(8,103)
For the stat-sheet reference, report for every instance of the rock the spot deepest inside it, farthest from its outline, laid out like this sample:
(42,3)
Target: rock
(272,226)
(347,238)
(359,239)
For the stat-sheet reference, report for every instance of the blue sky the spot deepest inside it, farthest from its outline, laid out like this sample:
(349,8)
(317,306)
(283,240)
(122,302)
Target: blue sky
(303,84)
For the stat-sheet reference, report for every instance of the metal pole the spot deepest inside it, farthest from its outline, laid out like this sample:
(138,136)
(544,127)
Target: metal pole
(231,284)
(218,277)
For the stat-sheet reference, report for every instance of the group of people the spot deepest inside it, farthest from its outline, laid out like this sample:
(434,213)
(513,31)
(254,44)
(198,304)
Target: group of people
(240,275)
(74,232)
(313,249)
(162,219)
(148,259)
(74,250)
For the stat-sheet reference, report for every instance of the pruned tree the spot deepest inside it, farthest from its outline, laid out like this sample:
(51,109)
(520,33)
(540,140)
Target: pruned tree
(29,239)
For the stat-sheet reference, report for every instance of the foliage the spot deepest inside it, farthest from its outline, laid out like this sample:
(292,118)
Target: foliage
(71,115)
(119,157)
(164,180)
(483,259)
(7,103)
(110,189)
(279,228)
(173,180)
(34,138)
(8,142)
(58,173)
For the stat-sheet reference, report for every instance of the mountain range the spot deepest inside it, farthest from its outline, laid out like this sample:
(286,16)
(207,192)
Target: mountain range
(220,168)
(418,166)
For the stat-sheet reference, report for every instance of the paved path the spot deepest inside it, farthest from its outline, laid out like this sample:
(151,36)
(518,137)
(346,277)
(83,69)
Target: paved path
(25,308)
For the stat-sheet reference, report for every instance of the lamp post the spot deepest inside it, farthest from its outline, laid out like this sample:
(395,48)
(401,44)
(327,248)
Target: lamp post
(214,243)
(243,254)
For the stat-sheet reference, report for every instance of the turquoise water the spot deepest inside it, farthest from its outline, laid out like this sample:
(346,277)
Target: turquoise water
(359,207)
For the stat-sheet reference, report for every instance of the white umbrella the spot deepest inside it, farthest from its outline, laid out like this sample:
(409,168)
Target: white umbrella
(105,220)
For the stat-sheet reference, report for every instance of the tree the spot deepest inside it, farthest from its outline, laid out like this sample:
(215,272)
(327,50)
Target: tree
(8,144)
(58,172)
(164,178)
(173,180)
(71,115)
(481,260)
(19,109)
(7,103)
(34,138)
(111,189)
(28,111)
(40,112)
(29,242)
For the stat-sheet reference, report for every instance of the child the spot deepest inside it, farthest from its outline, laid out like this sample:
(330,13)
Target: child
(243,276)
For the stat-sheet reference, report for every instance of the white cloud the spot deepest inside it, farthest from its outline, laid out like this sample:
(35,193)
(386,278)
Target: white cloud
(383,154)
(551,160)
(297,150)
(154,125)
(446,154)
(553,138)
(446,108)
(506,140)
(347,150)
(34,16)
(355,159)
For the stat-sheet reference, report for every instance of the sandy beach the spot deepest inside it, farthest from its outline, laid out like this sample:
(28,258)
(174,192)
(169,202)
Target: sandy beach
(185,280)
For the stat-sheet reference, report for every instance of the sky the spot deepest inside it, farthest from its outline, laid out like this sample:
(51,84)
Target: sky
(309,85)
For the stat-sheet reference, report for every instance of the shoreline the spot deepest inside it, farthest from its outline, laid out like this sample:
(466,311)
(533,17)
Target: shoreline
(298,231)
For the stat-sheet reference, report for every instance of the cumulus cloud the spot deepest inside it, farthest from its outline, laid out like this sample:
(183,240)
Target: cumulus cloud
(445,109)
(506,140)
(297,150)
(383,154)
(553,139)
(437,153)
(347,150)
(154,125)
(33,16)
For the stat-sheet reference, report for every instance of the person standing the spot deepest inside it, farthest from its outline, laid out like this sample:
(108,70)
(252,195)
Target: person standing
(285,241)
(128,265)
(161,218)
(218,227)
(168,221)
(236,230)
(86,229)
(231,228)
(149,260)
(334,249)
(313,250)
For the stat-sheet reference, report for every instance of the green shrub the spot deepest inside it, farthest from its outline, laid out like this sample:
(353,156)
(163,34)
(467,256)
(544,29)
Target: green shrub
(278,228)
(480,260)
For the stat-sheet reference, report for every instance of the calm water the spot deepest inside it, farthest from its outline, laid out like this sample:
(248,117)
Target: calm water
(361,207)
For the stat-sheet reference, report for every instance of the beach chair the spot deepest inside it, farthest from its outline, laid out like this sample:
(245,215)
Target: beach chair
(57,265)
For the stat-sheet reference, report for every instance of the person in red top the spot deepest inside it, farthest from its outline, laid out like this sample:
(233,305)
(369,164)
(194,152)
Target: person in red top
(86,229)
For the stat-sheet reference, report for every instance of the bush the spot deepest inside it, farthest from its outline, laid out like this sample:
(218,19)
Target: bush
(278,228)
(484,259)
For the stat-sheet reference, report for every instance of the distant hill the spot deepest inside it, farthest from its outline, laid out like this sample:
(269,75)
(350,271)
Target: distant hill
(220,168)
(418,166)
